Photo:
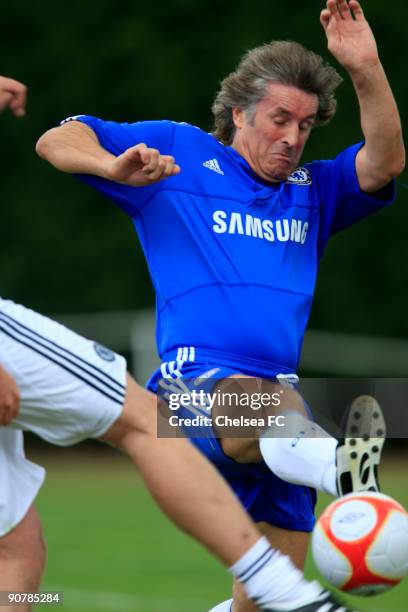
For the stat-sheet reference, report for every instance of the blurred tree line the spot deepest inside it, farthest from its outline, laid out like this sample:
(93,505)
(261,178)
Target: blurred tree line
(66,249)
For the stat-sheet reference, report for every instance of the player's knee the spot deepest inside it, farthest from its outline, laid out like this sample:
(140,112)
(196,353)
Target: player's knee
(36,563)
(242,450)
(23,553)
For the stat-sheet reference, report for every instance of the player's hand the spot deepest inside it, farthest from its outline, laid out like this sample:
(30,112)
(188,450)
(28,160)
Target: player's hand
(349,37)
(9,398)
(141,165)
(12,95)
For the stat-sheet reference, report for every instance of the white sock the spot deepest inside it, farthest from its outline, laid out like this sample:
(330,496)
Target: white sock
(307,458)
(271,580)
(225,606)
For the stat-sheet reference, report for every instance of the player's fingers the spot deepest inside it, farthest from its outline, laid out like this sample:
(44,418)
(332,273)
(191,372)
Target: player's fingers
(155,171)
(168,158)
(13,86)
(325,18)
(133,155)
(344,9)
(357,10)
(138,153)
(139,148)
(6,416)
(17,106)
(166,167)
(332,8)
(171,169)
(18,93)
(151,159)
(5,99)
(125,165)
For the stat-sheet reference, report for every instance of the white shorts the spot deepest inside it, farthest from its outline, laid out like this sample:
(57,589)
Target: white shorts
(20,479)
(70,388)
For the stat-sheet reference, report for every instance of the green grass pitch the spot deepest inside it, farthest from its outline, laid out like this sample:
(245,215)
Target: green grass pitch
(111,550)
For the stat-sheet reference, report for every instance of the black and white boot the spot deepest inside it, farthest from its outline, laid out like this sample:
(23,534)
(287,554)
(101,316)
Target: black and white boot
(325,602)
(358,453)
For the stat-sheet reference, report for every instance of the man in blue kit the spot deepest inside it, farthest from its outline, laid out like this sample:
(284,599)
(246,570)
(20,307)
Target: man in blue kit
(66,388)
(233,230)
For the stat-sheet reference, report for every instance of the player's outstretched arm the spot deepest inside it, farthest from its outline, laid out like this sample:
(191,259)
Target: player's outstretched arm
(13,95)
(9,397)
(351,41)
(74,147)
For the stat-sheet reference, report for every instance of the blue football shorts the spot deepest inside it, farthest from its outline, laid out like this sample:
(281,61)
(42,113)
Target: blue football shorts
(265,496)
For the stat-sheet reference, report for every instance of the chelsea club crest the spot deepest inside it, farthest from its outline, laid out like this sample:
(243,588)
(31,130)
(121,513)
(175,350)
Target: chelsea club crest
(103,352)
(301,176)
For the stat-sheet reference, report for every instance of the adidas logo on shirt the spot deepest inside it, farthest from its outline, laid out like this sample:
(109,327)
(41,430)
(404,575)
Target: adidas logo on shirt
(212,164)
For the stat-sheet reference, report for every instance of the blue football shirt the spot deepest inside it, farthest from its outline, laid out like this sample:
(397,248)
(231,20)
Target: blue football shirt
(233,259)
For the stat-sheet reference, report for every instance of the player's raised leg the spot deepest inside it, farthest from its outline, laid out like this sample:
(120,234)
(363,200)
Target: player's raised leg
(310,462)
(309,455)
(318,460)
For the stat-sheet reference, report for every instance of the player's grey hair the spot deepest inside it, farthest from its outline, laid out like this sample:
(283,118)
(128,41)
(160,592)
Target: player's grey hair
(280,61)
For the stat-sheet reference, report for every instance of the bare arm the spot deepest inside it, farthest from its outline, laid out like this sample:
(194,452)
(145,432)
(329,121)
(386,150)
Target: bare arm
(12,95)
(9,397)
(74,147)
(352,43)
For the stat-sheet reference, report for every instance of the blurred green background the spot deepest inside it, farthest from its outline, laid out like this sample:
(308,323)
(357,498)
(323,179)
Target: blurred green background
(111,550)
(67,250)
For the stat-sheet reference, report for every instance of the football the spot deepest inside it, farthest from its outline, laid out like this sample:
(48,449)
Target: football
(360,543)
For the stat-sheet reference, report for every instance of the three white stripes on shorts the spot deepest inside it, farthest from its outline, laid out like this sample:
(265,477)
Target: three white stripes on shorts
(171,369)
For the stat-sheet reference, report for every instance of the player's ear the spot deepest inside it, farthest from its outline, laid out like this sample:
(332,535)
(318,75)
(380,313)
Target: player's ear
(238,117)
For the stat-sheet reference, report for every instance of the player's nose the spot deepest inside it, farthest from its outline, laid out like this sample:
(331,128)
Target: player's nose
(291,136)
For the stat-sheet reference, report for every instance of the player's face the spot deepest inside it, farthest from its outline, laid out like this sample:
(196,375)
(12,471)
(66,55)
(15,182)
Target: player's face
(273,137)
